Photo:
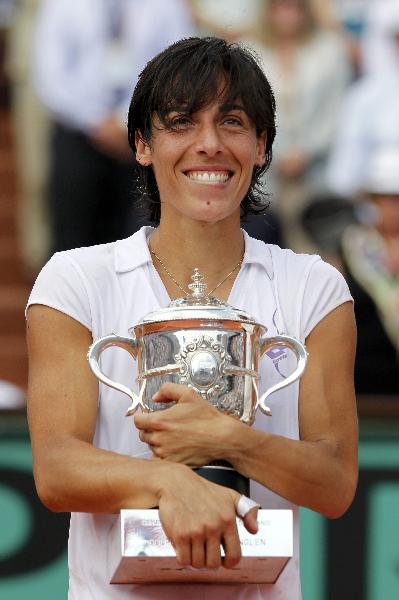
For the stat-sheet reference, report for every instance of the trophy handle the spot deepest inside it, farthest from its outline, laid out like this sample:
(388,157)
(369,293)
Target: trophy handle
(302,356)
(93,356)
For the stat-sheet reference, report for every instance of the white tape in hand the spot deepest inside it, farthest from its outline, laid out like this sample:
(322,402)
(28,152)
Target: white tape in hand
(244,505)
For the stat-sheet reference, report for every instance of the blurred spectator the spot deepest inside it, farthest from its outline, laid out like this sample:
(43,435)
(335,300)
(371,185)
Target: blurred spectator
(351,14)
(361,238)
(379,48)
(31,135)
(309,71)
(265,227)
(325,220)
(228,19)
(345,17)
(369,120)
(88,56)
(7,8)
(370,254)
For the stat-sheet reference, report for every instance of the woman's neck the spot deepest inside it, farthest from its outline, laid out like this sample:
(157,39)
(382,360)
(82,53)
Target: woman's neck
(214,248)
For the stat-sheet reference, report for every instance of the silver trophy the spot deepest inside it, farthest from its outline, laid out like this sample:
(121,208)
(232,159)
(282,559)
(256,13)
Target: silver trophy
(215,349)
(208,345)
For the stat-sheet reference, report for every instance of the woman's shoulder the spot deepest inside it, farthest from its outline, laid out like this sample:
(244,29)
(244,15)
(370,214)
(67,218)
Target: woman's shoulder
(89,258)
(106,260)
(308,288)
(290,259)
(302,271)
(78,282)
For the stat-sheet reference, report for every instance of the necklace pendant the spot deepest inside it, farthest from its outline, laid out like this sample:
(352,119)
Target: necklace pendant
(197,287)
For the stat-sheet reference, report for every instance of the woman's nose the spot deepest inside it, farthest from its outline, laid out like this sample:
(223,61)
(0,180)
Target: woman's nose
(208,140)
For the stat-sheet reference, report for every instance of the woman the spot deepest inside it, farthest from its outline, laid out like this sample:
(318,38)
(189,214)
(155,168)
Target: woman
(201,143)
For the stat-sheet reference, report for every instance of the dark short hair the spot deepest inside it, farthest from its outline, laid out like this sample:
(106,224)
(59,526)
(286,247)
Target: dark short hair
(187,76)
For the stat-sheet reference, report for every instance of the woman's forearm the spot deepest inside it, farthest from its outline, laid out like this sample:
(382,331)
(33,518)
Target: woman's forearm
(308,473)
(76,476)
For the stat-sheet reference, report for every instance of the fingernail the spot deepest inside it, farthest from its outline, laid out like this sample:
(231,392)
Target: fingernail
(156,396)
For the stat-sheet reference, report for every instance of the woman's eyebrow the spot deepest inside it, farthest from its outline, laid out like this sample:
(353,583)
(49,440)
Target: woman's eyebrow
(227,107)
(179,109)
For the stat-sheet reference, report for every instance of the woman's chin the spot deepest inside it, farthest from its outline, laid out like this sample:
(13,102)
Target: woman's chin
(205,212)
(213,212)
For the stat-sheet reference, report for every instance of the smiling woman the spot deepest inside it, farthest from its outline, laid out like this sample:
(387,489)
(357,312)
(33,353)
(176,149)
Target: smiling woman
(203,163)
(226,75)
(201,125)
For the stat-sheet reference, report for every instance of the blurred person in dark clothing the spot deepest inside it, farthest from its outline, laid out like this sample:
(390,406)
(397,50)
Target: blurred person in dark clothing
(266,227)
(361,238)
(88,56)
(370,254)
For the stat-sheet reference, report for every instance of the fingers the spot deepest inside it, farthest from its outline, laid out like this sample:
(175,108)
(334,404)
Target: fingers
(175,392)
(203,551)
(232,547)
(213,556)
(152,441)
(182,548)
(200,528)
(168,392)
(198,559)
(148,438)
(147,422)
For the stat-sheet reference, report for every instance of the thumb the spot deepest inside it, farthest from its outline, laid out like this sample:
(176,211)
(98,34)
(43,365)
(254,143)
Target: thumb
(251,520)
(247,509)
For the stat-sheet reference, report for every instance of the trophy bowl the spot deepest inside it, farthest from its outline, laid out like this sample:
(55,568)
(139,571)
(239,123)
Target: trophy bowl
(211,347)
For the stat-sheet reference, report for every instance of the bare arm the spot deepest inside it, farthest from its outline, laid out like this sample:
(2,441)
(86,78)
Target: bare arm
(70,473)
(319,470)
(73,475)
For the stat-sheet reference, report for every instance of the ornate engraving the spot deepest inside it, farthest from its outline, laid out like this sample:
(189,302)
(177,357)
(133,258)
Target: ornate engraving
(202,363)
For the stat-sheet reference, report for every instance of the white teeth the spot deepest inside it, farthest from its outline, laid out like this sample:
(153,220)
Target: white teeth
(208,176)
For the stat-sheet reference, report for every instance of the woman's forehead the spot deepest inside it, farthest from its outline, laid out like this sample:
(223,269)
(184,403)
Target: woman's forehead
(216,105)
(189,96)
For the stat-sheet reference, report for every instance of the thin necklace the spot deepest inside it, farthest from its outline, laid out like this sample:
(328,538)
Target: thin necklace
(182,288)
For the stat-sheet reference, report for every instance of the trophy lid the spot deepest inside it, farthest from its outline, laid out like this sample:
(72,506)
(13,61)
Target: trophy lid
(198,305)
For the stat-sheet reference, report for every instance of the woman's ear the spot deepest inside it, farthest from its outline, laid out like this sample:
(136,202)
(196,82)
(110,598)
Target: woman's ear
(143,151)
(261,150)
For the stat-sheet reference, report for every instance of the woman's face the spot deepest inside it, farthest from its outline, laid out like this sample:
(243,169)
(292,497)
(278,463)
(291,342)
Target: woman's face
(204,163)
(287,18)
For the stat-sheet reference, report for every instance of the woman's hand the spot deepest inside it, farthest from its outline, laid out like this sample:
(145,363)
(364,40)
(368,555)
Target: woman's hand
(199,517)
(192,431)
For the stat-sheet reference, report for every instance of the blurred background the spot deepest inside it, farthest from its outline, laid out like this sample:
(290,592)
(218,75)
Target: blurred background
(67,71)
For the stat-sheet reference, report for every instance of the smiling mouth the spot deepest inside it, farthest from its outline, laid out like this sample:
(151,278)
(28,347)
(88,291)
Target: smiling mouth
(209,177)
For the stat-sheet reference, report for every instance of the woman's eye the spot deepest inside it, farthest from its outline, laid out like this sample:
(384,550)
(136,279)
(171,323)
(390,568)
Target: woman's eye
(180,122)
(233,121)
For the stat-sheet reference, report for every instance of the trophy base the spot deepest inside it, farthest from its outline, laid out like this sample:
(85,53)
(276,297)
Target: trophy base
(139,551)
(223,473)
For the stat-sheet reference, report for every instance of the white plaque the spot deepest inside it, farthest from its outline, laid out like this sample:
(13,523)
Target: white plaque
(139,551)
